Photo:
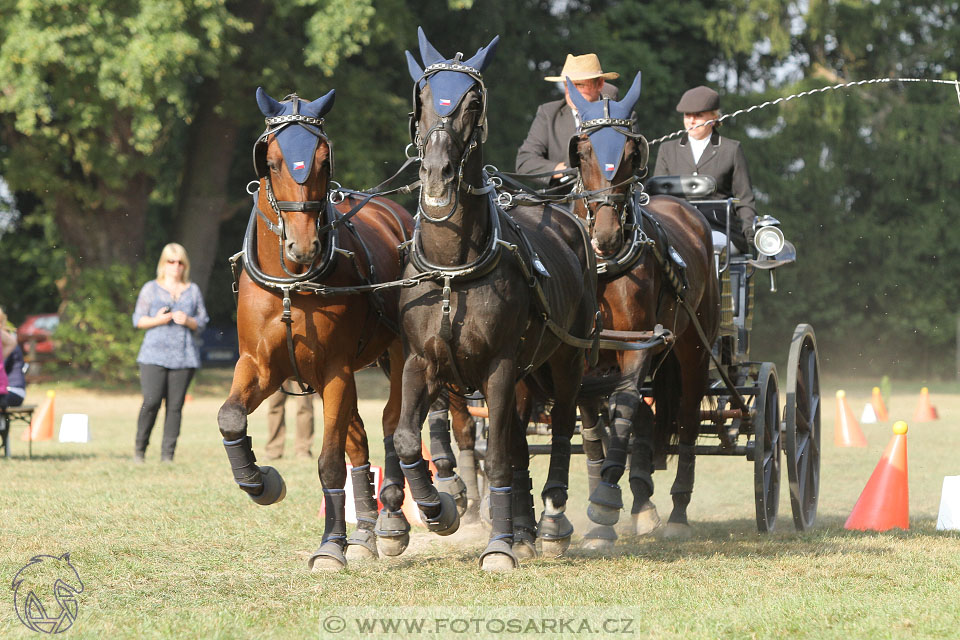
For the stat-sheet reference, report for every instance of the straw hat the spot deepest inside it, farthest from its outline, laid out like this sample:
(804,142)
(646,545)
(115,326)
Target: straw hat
(583,67)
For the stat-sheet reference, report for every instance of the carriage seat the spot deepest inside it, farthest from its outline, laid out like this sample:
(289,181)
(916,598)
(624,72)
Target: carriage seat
(698,190)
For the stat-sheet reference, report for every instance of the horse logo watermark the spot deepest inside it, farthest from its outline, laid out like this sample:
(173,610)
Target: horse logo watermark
(45,593)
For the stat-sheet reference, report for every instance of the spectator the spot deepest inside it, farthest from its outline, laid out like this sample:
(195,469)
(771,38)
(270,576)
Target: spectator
(12,385)
(170,309)
(277,428)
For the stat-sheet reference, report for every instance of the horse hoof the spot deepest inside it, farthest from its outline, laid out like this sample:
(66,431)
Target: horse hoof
(454,486)
(327,564)
(603,514)
(274,488)
(524,544)
(499,556)
(329,557)
(605,504)
(447,521)
(598,545)
(554,548)
(362,546)
(677,531)
(394,545)
(646,522)
(393,532)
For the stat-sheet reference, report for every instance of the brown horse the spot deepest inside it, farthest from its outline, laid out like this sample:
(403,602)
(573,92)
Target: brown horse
(305,310)
(509,295)
(656,267)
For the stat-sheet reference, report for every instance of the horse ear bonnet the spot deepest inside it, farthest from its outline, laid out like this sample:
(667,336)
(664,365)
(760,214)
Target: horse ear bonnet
(299,140)
(608,143)
(448,87)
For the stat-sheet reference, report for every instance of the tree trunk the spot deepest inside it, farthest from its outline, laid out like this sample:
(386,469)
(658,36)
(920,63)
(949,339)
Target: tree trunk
(203,202)
(99,236)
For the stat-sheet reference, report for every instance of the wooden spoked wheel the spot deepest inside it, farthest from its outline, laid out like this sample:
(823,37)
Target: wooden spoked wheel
(767,447)
(802,426)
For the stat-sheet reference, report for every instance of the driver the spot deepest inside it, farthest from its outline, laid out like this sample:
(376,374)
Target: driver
(548,141)
(703,151)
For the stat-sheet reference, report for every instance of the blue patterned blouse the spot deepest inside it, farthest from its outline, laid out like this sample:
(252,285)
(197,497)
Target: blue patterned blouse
(170,345)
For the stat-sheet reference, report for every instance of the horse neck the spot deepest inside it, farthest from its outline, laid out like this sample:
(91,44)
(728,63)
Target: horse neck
(464,237)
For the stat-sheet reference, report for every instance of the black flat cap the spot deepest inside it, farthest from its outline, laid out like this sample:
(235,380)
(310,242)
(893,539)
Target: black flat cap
(699,99)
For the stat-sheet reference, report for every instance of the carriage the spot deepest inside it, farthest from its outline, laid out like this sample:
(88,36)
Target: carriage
(742,415)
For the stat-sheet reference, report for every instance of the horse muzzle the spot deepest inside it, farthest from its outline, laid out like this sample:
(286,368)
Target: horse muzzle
(301,252)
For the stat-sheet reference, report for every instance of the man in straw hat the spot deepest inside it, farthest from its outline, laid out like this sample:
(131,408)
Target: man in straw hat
(548,140)
(703,151)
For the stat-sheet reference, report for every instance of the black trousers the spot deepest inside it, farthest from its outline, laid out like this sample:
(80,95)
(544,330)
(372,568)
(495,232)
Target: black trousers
(161,384)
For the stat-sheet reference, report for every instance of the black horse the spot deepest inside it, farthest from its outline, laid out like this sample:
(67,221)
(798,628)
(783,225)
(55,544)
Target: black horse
(512,294)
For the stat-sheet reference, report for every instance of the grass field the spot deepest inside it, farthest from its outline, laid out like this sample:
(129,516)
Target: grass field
(177,551)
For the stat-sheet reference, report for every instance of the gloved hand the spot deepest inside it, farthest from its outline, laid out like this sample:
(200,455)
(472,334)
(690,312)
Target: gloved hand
(749,232)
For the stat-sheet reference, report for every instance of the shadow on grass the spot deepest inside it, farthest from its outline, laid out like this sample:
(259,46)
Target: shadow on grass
(47,457)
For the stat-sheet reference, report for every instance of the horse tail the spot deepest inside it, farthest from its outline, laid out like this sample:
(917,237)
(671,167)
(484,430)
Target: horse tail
(666,390)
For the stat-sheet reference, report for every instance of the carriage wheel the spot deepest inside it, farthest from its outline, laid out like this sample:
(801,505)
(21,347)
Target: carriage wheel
(767,446)
(802,418)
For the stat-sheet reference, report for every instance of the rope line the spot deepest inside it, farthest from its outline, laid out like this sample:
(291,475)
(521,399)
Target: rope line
(955,83)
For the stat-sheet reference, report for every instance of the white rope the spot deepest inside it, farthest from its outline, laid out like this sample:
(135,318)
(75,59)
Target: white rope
(858,83)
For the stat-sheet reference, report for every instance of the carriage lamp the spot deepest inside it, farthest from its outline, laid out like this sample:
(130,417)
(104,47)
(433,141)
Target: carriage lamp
(769,238)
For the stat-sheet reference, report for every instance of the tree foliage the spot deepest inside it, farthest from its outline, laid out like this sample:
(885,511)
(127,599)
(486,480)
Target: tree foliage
(125,125)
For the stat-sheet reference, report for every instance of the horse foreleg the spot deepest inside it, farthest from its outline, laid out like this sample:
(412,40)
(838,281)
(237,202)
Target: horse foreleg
(693,381)
(555,528)
(606,501)
(464,432)
(441,451)
(521,488)
(339,410)
(499,392)
(392,528)
(362,543)
(264,485)
(437,510)
(644,516)
(600,537)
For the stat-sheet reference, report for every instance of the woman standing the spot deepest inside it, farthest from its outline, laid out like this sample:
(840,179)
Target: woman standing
(170,309)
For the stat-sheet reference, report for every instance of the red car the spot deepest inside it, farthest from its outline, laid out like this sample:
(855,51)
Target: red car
(35,332)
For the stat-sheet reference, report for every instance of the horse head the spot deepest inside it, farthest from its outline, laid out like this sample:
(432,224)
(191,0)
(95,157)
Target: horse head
(449,118)
(609,153)
(294,161)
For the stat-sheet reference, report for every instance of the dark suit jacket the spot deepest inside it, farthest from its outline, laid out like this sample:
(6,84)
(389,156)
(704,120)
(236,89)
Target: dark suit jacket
(548,140)
(723,159)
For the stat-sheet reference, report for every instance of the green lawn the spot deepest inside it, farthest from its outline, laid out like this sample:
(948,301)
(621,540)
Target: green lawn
(178,551)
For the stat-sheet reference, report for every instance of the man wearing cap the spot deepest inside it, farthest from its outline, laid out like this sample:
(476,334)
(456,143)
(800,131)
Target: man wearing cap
(548,140)
(703,151)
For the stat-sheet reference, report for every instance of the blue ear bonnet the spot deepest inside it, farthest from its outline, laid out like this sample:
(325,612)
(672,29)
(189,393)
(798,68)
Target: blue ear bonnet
(601,119)
(448,87)
(299,138)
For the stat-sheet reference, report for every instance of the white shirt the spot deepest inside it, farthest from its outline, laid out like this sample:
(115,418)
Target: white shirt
(697,147)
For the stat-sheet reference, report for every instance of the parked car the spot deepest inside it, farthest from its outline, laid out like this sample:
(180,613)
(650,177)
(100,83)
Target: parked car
(218,346)
(34,335)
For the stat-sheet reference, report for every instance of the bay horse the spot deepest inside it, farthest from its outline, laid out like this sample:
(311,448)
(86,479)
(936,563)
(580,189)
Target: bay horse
(305,310)
(656,267)
(508,295)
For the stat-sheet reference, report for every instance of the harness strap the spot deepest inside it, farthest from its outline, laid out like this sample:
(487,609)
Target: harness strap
(287,319)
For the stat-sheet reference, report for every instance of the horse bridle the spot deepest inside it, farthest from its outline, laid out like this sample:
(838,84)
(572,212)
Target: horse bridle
(479,131)
(604,197)
(274,126)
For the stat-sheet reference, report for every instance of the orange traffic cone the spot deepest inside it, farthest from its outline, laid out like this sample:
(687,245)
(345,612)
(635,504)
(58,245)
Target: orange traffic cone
(885,501)
(879,408)
(846,431)
(41,427)
(925,411)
